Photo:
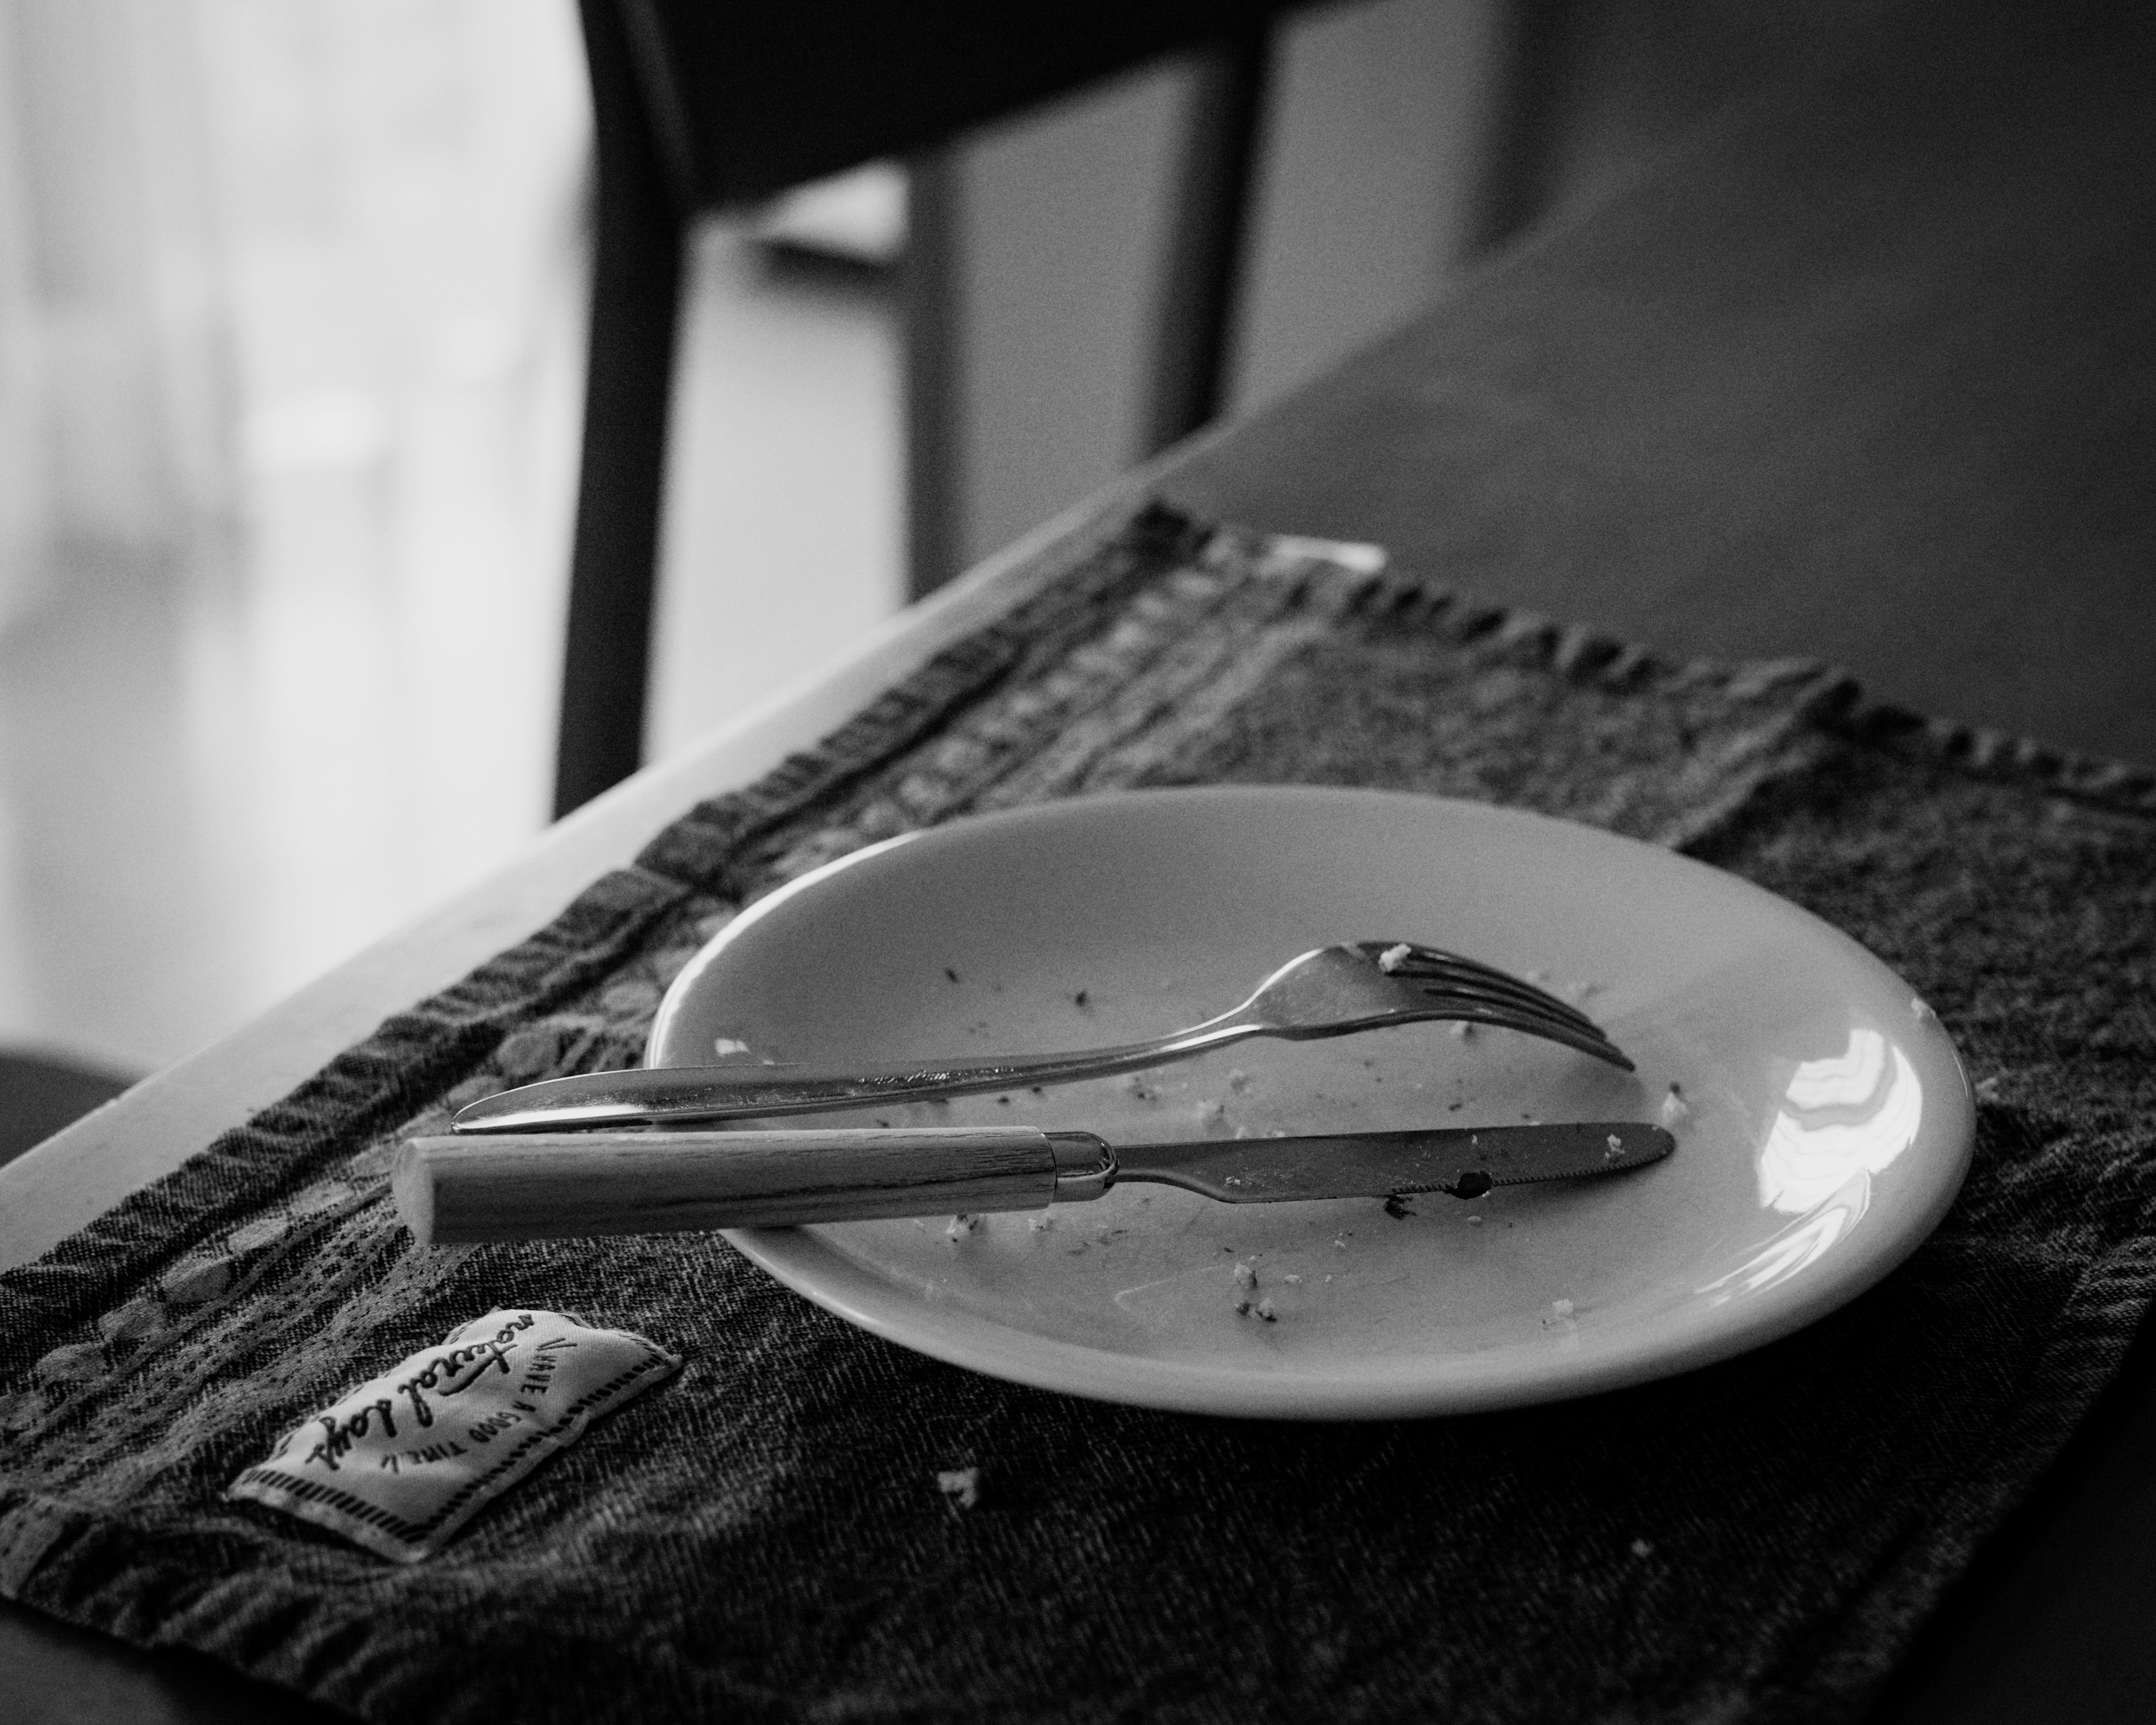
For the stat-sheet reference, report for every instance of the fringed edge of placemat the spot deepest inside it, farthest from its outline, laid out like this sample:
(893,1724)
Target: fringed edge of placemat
(1987,751)
(1842,706)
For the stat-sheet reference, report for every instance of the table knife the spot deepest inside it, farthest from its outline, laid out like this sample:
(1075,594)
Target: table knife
(551,1185)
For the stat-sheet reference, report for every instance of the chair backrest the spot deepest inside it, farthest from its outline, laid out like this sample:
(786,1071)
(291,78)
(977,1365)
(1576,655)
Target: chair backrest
(746,100)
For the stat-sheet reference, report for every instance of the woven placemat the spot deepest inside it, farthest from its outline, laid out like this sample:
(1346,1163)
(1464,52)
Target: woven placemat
(763,1537)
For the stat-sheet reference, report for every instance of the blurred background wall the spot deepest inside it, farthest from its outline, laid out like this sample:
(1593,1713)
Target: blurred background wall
(290,302)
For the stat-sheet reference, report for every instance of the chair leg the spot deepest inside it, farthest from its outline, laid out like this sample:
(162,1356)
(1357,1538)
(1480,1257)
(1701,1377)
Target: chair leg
(1209,228)
(929,314)
(637,247)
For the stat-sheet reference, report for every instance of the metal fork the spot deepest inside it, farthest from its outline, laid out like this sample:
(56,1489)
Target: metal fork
(1334,991)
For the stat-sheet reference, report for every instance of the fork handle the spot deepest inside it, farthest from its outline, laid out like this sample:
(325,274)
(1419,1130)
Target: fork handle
(650,1095)
(557,1185)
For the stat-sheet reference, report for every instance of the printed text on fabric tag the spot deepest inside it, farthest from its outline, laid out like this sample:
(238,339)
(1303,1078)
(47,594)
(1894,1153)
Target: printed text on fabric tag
(403,1462)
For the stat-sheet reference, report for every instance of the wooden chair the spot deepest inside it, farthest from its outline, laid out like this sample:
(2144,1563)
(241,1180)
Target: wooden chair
(700,106)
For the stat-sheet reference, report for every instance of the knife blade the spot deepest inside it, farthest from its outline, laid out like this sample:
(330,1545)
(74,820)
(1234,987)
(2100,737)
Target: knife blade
(557,1185)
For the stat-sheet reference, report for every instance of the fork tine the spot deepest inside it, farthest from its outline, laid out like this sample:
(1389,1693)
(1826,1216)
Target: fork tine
(1460,965)
(1430,964)
(1496,1001)
(1481,993)
(1522,994)
(1591,1042)
(1490,981)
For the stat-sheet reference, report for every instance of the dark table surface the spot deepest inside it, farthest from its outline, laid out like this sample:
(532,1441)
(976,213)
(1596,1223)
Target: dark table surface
(1865,370)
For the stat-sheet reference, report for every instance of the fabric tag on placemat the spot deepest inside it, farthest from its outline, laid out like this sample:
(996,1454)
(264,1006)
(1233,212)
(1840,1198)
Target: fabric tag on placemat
(403,1462)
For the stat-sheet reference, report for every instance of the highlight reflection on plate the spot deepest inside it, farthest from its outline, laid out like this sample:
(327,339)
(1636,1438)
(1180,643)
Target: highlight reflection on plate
(1826,1123)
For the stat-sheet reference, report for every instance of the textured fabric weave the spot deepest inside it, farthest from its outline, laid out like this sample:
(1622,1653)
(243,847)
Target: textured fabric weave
(764,1539)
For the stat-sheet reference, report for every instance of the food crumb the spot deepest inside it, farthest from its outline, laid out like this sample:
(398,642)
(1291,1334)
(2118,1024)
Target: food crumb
(1920,1010)
(1461,1029)
(1616,1147)
(1676,1111)
(950,973)
(1265,1311)
(725,1045)
(1005,1101)
(961,1225)
(1136,1085)
(1563,1308)
(1475,1221)
(1293,1281)
(1339,1243)
(961,1486)
(1238,1079)
(1396,1207)
(1242,1308)
(1987,1089)
(1211,1113)
(1039,1224)
(1246,1275)
(1642,1548)
(1079,998)
(1392,957)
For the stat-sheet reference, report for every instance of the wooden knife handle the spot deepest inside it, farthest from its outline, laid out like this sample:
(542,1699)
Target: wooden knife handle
(554,1185)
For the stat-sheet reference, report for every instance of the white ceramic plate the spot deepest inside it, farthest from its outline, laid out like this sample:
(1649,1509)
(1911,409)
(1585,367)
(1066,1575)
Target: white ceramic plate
(1830,1122)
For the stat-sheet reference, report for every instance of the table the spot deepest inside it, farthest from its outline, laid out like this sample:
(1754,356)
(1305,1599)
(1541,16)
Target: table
(1865,370)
